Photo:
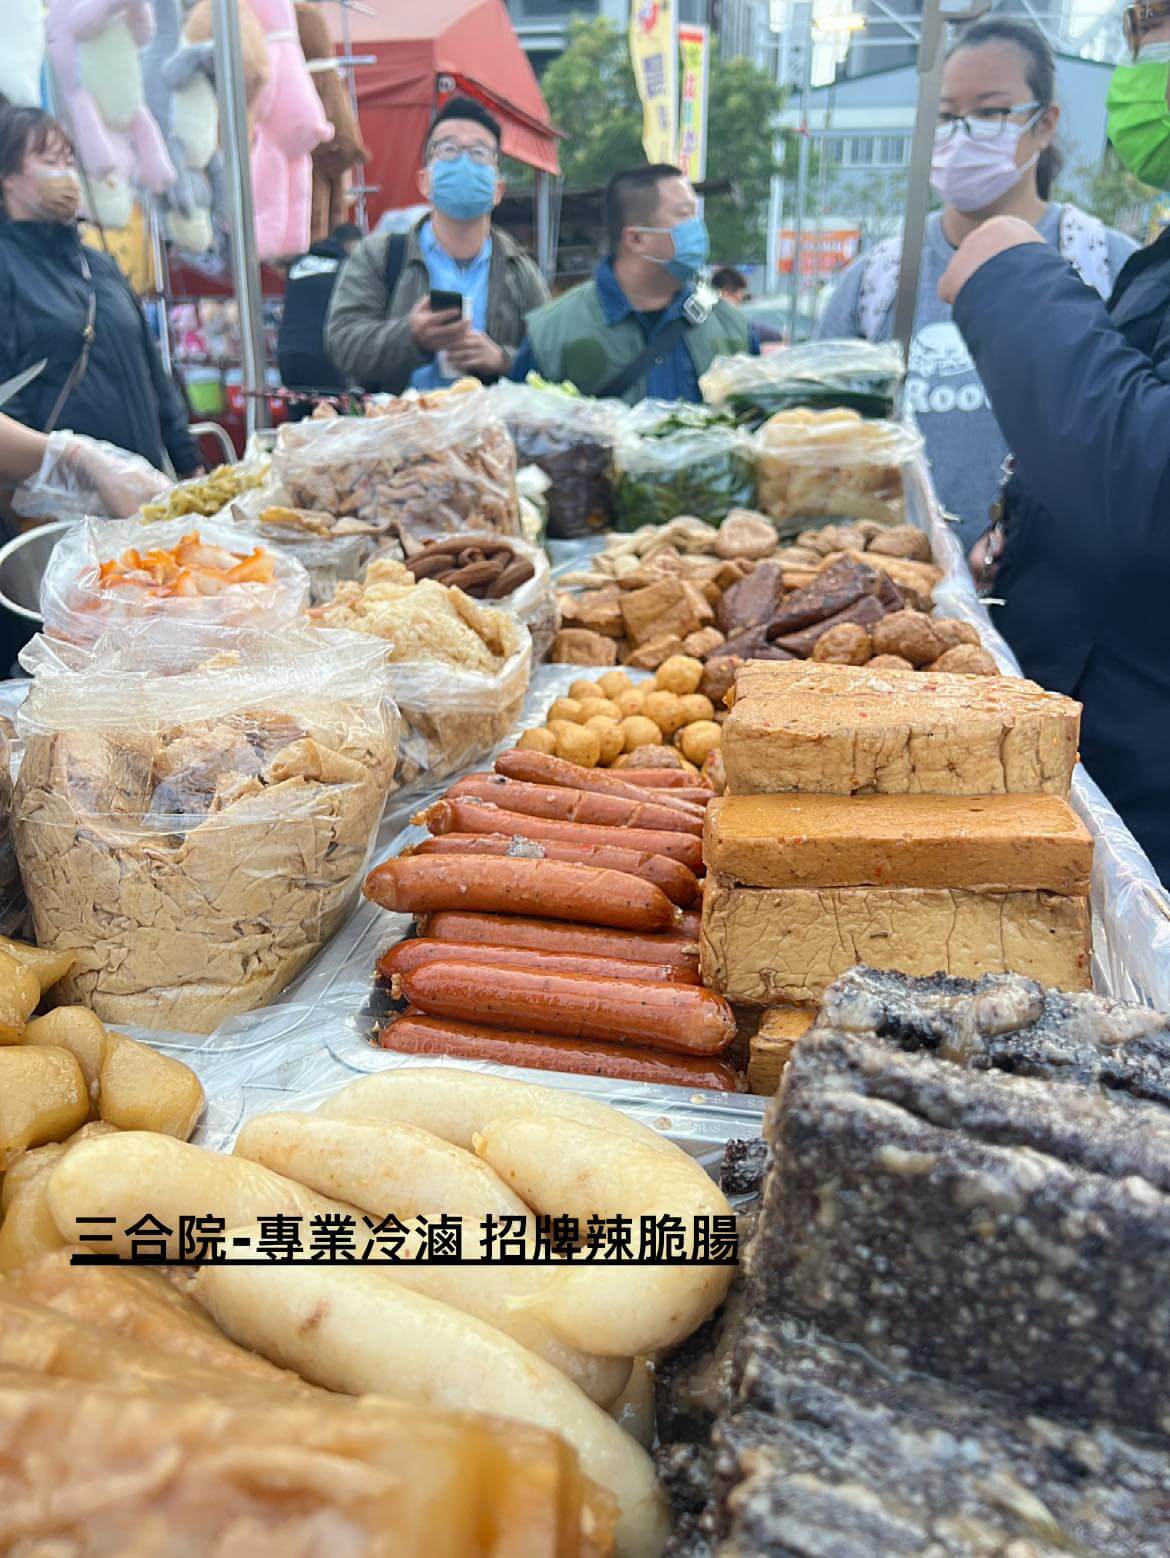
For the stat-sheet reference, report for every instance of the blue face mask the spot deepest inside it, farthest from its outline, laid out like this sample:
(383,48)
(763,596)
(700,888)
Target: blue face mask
(463,189)
(692,246)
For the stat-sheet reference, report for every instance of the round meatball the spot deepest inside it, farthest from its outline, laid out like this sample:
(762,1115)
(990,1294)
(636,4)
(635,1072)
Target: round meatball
(846,644)
(966,660)
(950,633)
(909,634)
(889,663)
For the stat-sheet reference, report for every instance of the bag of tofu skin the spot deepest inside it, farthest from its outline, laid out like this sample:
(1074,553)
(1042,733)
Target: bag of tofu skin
(196,823)
(833,465)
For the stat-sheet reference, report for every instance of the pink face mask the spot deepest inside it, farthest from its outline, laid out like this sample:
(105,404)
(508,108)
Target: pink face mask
(972,174)
(51,194)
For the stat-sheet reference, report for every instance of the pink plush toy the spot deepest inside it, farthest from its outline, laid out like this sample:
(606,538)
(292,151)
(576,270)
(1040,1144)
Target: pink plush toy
(290,122)
(94,48)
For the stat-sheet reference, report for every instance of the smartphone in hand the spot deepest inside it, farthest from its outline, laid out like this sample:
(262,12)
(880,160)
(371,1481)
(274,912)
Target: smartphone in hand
(445,302)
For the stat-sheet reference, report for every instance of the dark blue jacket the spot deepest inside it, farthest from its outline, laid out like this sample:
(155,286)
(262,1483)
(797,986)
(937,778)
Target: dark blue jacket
(669,378)
(300,346)
(125,397)
(1082,393)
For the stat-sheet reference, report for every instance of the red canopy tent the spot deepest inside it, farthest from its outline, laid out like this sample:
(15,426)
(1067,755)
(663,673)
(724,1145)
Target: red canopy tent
(425,53)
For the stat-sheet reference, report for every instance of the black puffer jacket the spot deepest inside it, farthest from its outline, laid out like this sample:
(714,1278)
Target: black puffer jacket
(125,397)
(300,346)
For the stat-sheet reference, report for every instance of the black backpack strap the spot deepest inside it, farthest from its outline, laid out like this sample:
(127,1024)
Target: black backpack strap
(395,255)
(694,312)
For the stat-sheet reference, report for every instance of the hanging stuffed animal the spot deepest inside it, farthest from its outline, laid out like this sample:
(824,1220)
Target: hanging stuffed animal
(163,46)
(94,46)
(189,74)
(289,124)
(22,51)
(336,160)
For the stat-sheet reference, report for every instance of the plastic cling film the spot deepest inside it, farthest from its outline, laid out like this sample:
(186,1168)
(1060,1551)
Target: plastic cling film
(674,459)
(819,375)
(571,438)
(102,576)
(834,465)
(194,835)
(419,467)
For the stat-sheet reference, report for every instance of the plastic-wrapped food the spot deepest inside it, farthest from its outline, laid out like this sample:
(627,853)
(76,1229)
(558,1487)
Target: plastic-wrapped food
(571,438)
(208,495)
(195,829)
(677,459)
(834,464)
(12,907)
(420,467)
(484,566)
(106,575)
(459,670)
(329,547)
(822,375)
(82,477)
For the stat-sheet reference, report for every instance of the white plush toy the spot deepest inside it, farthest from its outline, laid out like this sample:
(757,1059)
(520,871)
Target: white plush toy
(22,51)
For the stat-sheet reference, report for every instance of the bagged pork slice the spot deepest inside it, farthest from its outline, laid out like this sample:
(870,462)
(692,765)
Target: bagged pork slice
(196,829)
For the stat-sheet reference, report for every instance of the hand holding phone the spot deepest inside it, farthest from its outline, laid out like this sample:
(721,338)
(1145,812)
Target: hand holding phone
(437,330)
(443,302)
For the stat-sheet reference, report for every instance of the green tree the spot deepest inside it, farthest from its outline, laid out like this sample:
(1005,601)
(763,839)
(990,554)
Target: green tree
(1112,193)
(591,95)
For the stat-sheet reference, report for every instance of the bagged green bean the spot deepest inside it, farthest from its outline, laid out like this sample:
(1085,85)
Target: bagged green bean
(676,459)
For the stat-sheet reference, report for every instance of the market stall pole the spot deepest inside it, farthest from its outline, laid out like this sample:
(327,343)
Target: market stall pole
(233,116)
(931,59)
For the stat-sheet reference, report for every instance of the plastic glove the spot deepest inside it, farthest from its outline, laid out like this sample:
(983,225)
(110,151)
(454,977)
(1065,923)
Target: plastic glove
(81,477)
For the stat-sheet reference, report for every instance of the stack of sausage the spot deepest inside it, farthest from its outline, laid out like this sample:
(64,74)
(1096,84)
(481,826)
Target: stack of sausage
(556,927)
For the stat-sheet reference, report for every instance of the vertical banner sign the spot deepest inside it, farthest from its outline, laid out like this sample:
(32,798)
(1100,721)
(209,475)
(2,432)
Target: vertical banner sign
(694,47)
(654,56)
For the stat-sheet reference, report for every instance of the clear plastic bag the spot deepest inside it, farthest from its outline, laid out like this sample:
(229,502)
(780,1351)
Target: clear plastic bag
(76,606)
(534,601)
(329,550)
(418,467)
(451,719)
(82,477)
(206,497)
(571,438)
(821,375)
(195,830)
(675,459)
(834,465)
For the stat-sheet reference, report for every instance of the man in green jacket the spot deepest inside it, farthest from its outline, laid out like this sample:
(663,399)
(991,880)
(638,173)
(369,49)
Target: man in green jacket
(642,326)
(381,332)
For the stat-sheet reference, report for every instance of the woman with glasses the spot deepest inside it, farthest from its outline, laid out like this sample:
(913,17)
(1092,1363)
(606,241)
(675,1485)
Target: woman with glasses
(994,155)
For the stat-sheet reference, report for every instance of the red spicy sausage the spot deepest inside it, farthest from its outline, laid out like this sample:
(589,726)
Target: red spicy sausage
(679,884)
(413,1034)
(663,778)
(686,1018)
(558,803)
(470,816)
(409,955)
(540,768)
(551,936)
(421,884)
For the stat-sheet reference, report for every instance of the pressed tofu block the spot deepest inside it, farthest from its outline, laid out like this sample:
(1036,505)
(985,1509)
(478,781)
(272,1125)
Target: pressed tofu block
(772,1044)
(847,730)
(762,945)
(983,842)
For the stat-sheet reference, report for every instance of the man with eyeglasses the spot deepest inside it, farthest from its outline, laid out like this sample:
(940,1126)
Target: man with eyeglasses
(382,331)
(1080,554)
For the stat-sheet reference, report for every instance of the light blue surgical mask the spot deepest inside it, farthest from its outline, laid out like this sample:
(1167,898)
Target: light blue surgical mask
(463,189)
(692,245)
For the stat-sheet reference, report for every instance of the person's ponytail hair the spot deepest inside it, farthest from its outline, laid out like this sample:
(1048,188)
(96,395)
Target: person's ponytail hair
(1039,71)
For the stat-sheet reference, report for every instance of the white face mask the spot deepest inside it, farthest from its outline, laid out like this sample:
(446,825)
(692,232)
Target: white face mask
(1154,53)
(972,175)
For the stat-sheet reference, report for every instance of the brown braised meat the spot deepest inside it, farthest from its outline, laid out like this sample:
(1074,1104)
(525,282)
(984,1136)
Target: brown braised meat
(834,588)
(752,600)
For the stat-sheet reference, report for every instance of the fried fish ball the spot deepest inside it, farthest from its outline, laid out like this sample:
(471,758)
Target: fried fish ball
(613,684)
(582,688)
(565,708)
(539,740)
(590,707)
(609,733)
(698,741)
(638,731)
(696,706)
(680,674)
(579,744)
(665,709)
(630,702)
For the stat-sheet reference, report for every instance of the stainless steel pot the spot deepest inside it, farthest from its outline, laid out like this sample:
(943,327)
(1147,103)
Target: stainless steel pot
(23,561)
